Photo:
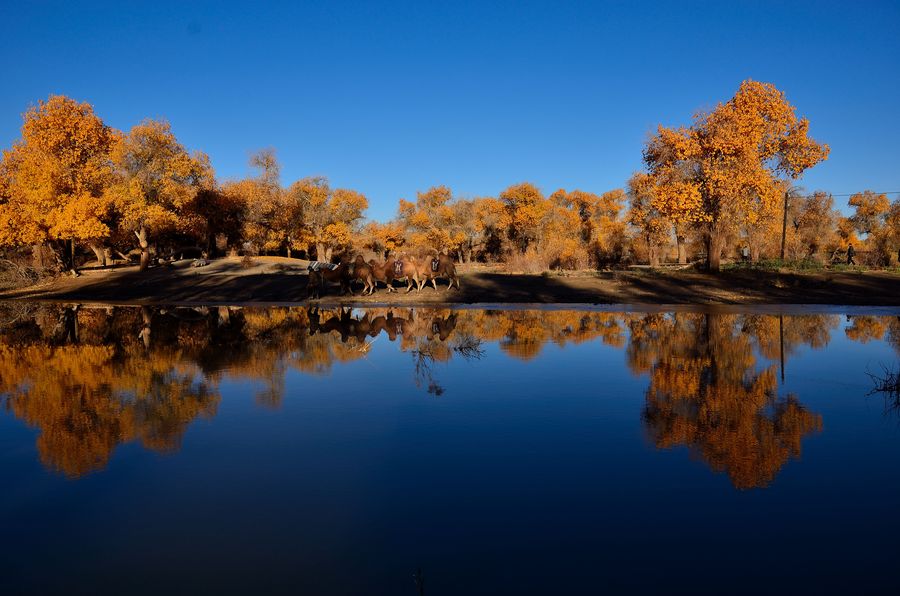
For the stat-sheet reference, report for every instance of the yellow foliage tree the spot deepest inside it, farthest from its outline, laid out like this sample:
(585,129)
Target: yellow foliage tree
(525,207)
(53,180)
(643,215)
(157,182)
(330,217)
(724,170)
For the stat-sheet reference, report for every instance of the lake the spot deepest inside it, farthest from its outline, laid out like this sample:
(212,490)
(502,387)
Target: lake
(431,451)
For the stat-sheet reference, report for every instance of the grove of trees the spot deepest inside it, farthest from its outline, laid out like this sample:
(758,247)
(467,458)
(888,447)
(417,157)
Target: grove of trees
(725,185)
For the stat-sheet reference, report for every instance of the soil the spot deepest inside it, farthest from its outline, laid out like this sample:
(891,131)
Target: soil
(281,280)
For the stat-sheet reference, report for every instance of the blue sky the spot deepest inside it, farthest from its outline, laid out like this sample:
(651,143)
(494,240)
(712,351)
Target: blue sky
(396,97)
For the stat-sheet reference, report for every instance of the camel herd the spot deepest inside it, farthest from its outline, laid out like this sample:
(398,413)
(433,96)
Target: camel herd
(416,272)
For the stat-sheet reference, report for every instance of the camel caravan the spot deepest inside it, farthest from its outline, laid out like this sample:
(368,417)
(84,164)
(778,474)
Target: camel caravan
(415,272)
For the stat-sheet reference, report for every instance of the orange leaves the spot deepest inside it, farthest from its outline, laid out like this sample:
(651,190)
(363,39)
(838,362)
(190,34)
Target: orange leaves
(435,221)
(336,233)
(525,209)
(870,208)
(157,180)
(680,201)
(722,172)
(52,181)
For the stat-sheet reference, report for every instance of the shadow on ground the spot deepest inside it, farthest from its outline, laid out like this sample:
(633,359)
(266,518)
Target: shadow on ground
(229,282)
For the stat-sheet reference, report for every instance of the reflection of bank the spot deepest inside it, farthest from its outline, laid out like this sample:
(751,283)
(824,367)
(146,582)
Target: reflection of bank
(707,393)
(88,397)
(93,378)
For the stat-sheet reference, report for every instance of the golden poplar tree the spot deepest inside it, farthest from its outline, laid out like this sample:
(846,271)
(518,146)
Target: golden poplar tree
(157,183)
(727,168)
(53,180)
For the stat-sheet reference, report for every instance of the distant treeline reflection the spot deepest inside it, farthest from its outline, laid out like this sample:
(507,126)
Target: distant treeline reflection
(91,378)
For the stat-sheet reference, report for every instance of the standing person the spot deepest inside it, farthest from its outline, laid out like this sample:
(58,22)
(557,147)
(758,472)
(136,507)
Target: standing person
(850,252)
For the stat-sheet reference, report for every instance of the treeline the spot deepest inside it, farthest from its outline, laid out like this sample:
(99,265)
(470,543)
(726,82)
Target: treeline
(720,188)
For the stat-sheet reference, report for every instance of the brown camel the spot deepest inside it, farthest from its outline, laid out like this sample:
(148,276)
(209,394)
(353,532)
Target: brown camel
(362,271)
(406,268)
(442,266)
(437,266)
(384,273)
(320,277)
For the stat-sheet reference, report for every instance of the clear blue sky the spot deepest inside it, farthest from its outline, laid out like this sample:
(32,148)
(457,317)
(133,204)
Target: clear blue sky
(390,99)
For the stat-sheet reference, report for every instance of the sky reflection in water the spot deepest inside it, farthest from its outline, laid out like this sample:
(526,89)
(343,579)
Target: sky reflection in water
(290,449)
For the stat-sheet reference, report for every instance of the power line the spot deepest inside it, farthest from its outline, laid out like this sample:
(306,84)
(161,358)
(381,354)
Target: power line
(846,194)
(850,194)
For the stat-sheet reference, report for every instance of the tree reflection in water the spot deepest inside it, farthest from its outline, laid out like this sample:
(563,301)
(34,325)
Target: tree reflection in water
(93,378)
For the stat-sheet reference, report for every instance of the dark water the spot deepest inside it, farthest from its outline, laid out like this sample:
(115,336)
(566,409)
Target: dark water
(274,450)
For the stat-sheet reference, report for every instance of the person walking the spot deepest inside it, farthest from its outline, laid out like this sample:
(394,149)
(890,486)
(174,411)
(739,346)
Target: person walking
(850,254)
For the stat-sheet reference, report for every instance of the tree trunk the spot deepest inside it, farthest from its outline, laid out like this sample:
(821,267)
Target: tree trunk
(653,255)
(682,249)
(784,224)
(320,251)
(101,252)
(145,247)
(328,254)
(754,252)
(41,256)
(714,251)
(289,251)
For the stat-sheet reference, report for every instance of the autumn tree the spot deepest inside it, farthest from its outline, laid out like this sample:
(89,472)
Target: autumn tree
(430,219)
(869,209)
(383,239)
(814,221)
(652,228)
(224,214)
(330,217)
(272,217)
(875,217)
(53,180)
(602,230)
(725,169)
(490,219)
(156,184)
(466,231)
(525,208)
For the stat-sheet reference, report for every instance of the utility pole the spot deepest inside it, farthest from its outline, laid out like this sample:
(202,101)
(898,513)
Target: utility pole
(784,223)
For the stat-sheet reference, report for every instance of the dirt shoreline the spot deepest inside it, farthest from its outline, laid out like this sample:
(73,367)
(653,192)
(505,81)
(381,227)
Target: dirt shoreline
(280,281)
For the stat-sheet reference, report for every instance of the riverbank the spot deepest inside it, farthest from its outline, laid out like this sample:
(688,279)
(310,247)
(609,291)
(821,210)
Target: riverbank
(273,279)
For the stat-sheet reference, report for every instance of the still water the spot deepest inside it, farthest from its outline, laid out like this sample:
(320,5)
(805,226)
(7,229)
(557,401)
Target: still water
(420,451)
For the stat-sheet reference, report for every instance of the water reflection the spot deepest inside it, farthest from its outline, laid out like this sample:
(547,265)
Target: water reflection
(90,379)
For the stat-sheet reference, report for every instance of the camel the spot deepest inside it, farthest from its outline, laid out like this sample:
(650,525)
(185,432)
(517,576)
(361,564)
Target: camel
(406,268)
(384,273)
(438,266)
(362,271)
(320,277)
